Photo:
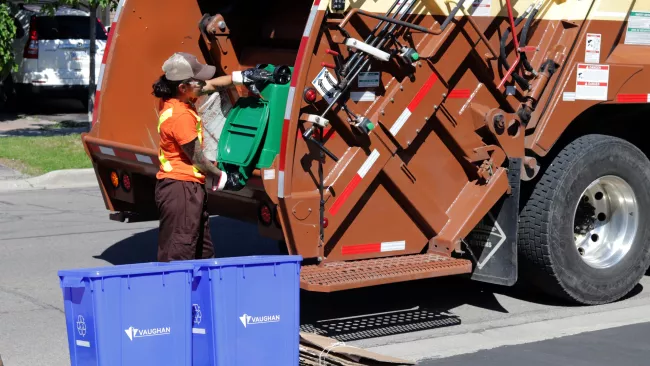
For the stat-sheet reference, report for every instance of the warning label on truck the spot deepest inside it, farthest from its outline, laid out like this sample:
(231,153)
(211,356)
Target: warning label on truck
(638,28)
(324,83)
(592,82)
(592,49)
(368,79)
(480,8)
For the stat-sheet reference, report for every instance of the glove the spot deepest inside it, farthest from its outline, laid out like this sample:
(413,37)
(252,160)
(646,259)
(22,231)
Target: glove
(251,77)
(230,182)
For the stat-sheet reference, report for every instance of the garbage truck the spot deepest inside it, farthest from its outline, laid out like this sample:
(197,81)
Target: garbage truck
(400,140)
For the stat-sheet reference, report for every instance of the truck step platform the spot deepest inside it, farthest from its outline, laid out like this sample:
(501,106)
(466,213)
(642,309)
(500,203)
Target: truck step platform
(337,276)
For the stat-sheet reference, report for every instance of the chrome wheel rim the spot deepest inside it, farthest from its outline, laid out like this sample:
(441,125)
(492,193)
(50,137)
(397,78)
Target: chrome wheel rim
(605,222)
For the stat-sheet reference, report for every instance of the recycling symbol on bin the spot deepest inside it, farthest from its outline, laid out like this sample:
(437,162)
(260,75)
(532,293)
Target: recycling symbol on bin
(81,326)
(197,313)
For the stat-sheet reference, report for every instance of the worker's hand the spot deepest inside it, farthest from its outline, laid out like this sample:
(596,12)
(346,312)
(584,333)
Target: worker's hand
(227,182)
(251,76)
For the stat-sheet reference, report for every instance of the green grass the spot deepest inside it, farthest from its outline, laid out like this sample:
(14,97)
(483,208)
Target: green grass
(43,154)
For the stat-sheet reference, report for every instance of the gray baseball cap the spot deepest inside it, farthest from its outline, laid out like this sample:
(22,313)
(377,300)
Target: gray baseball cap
(182,66)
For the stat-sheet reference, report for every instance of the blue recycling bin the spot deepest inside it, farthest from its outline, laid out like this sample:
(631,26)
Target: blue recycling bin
(137,314)
(246,311)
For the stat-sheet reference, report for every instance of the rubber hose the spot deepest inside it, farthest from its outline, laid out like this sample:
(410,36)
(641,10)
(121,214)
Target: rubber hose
(452,15)
(502,56)
(524,40)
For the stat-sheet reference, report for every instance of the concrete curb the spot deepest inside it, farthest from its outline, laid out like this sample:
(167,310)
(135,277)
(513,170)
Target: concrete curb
(68,178)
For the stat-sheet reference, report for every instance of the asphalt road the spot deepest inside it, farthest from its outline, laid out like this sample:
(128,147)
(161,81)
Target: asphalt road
(44,231)
(617,346)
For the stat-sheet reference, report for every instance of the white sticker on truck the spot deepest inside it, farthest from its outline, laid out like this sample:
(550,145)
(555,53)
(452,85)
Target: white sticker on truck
(569,96)
(638,28)
(592,82)
(324,84)
(592,48)
(368,79)
(362,96)
(481,8)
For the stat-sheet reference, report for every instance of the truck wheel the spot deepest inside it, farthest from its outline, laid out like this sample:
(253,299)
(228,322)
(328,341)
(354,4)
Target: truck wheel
(583,235)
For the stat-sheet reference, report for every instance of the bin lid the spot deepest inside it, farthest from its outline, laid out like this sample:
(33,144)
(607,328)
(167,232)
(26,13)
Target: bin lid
(243,131)
(244,260)
(126,269)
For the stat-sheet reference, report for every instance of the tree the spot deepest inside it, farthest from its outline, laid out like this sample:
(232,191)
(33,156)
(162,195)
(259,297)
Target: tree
(8,32)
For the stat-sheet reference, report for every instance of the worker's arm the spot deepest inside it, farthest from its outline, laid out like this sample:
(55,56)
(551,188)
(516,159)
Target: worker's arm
(183,130)
(220,180)
(217,84)
(246,77)
(194,152)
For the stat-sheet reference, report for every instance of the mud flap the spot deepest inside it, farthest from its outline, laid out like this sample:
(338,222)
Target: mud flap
(492,245)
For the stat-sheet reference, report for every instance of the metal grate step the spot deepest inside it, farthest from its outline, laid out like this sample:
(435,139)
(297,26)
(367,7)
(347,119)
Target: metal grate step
(336,276)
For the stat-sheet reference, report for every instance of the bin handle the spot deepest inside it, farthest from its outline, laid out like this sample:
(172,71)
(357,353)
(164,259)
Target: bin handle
(74,282)
(197,272)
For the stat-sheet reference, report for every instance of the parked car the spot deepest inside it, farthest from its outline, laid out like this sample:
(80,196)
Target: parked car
(53,53)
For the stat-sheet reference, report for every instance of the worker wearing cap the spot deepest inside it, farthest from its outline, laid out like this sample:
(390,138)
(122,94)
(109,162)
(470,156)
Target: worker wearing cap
(180,192)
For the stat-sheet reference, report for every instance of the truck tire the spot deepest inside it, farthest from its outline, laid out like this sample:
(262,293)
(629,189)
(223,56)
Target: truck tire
(583,235)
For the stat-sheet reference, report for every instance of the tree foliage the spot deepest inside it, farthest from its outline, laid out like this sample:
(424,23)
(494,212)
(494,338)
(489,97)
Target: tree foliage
(7,36)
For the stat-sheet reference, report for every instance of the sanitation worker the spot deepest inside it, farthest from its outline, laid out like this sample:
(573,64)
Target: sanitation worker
(181,193)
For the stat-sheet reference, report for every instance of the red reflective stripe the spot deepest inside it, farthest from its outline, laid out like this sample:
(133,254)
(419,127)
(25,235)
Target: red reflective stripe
(94,148)
(360,249)
(294,80)
(423,91)
(283,144)
(127,155)
(632,98)
(328,133)
(345,194)
(299,57)
(108,42)
(459,93)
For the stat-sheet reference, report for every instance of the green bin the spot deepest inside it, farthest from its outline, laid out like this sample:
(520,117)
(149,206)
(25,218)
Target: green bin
(251,136)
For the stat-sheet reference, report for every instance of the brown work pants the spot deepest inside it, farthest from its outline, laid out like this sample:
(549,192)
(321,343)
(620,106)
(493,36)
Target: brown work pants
(184,221)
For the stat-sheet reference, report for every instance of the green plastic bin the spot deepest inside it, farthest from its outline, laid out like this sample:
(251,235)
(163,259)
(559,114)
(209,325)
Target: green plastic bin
(252,133)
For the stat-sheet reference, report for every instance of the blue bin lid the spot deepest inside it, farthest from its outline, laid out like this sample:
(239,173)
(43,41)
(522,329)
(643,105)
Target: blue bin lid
(126,269)
(244,261)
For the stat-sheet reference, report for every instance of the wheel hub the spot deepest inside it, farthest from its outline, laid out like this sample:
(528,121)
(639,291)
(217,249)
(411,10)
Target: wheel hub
(605,222)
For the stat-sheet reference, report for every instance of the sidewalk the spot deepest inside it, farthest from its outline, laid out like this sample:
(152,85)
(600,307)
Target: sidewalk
(70,178)
(9,174)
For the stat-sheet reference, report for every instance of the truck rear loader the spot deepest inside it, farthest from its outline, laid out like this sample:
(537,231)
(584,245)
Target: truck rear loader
(407,139)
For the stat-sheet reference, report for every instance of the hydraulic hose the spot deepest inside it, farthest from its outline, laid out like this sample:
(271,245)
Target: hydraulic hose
(502,51)
(452,15)
(524,38)
(371,37)
(382,35)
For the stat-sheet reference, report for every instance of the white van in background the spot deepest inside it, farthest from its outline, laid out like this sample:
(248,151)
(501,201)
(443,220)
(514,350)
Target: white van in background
(53,53)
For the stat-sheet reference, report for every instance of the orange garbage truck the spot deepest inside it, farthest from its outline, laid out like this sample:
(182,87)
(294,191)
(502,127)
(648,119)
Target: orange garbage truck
(406,139)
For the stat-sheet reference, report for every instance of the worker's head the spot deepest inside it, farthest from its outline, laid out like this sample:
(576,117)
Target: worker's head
(184,78)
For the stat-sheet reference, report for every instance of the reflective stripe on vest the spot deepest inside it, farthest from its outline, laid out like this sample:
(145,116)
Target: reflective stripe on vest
(167,166)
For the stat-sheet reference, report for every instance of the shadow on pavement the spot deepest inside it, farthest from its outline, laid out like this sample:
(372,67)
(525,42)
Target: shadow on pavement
(354,314)
(26,132)
(42,106)
(231,238)
(36,117)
